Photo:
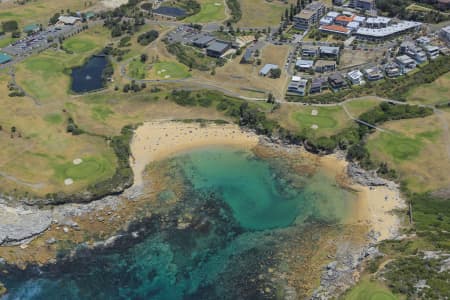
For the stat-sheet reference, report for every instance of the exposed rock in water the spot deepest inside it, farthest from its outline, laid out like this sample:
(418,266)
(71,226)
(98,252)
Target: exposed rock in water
(2,289)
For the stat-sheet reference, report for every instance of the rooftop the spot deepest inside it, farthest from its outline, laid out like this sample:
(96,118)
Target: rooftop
(218,46)
(345,19)
(329,50)
(4,58)
(204,39)
(381,32)
(267,68)
(335,28)
(304,63)
(305,14)
(332,14)
(323,63)
(68,19)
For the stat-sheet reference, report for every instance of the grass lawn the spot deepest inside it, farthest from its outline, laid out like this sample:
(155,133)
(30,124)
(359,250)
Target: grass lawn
(137,69)
(101,112)
(5,41)
(54,118)
(79,45)
(260,13)
(417,150)
(358,107)
(366,290)
(169,70)
(211,11)
(91,169)
(431,93)
(90,40)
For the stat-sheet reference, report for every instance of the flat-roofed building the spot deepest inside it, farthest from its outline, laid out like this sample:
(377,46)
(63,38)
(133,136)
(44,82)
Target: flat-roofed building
(391,31)
(323,66)
(373,74)
(329,52)
(204,41)
(378,22)
(318,84)
(353,26)
(304,64)
(332,14)
(267,68)
(309,16)
(297,86)
(68,20)
(444,34)
(432,51)
(310,51)
(344,20)
(362,4)
(355,77)
(217,48)
(4,58)
(337,81)
(392,70)
(335,29)
(405,63)
(326,21)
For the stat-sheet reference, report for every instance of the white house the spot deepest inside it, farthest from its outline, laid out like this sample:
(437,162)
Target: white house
(355,77)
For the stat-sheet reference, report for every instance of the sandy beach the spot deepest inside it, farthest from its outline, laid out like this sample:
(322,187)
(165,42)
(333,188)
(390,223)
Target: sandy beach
(375,206)
(158,140)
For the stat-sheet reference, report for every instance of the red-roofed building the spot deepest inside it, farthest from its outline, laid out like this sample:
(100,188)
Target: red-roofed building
(335,29)
(344,20)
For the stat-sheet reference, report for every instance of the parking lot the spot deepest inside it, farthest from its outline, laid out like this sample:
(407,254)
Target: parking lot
(40,40)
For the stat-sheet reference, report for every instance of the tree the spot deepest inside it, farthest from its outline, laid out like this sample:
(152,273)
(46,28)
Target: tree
(271,98)
(10,26)
(275,73)
(144,57)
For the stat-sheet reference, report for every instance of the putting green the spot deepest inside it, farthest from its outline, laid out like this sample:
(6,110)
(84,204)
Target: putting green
(79,45)
(324,119)
(398,146)
(91,169)
(169,70)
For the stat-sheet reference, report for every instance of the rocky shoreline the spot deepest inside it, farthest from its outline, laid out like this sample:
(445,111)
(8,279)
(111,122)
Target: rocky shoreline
(23,223)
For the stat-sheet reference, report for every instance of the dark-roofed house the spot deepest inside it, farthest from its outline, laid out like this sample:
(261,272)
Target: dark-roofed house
(304,64)
(4,58)
(323,66)
(337,81)
(329,52)
(217,48)
(203,41)
(318,84)
(310,51)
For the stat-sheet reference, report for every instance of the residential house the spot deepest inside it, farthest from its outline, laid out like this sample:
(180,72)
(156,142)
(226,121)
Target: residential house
(392,70)
(310,51)
(337,81)
(309,16)
(329,52)
(217,48)
(266,69)
(338,2)
(373,74)
(445,34)
(297,86)
(362,4)
(443,4)
(323,66)
(423,40)
(318,85)
(413,51)
(355,77)
(304,64)
(405,63)
(432,51)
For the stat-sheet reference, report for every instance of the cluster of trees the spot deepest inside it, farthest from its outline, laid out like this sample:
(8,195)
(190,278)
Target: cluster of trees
(10,26)
(72,127)
(235,10)
(387,112)
(147,37)
(275,73)
(187,98)
(134,87)
(194,59)
(125,19)
(116,52)
(14,91)
(397,8)
(192,7)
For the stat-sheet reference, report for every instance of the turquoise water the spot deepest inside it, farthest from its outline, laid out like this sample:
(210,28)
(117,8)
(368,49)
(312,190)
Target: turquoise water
(244,210)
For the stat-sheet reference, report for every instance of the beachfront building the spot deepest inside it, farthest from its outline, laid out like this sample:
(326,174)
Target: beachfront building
(266,69)
(445,34)
(310,51)
(355,77)
(322,66)
(392,70)
(298,86)
(373,74)
(318,85)
(217,48)
(309,16)
(336,81)
(329,52)
(432,51)
(304,65)
(376,34)
(405,63)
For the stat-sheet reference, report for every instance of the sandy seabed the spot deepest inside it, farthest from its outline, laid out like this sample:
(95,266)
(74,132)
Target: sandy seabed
(161,139)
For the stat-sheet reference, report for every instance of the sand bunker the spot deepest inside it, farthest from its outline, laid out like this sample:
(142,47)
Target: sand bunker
(68,181)
(314,126)
(314,112)
(77,161)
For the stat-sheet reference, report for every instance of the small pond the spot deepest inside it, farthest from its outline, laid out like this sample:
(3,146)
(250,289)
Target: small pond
(88,77)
